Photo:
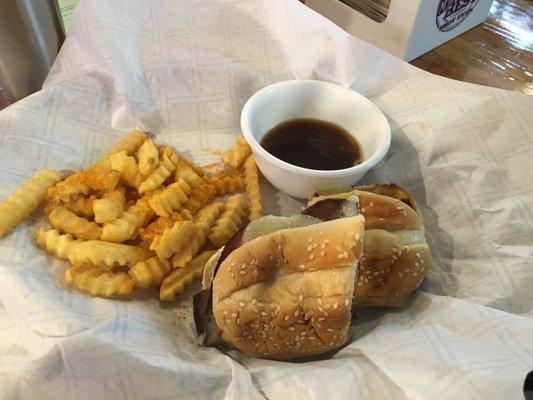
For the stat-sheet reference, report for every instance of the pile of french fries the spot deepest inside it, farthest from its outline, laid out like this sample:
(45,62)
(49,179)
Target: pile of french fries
(143,216)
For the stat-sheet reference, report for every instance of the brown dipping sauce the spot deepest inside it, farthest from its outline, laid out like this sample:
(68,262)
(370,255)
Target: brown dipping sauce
(313,143)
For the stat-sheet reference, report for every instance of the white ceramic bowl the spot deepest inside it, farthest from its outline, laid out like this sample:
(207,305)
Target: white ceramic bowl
(314,99)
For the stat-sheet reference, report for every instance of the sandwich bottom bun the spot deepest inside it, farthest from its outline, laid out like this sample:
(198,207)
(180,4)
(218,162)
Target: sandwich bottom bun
(288,293)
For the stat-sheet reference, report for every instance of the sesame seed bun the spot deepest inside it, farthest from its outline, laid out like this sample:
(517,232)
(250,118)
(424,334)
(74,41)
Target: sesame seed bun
(289,293)
(396,255)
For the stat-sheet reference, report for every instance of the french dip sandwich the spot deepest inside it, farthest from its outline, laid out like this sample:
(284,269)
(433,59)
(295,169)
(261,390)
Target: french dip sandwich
(285,287)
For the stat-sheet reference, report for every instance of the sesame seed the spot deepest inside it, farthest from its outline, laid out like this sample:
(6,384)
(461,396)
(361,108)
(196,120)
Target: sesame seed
(241,304)
(273,314)
(371,204)
(232,275)
(318,325)
(312,320)
(302,266)
(254,272)
(404,213)
(399,208)
(300,298)
(263,313)
(315,245)
(367,272)
(331,343)
(234,315)
(311,257)
(243,266)
(376,272)
(345,254)
(286,318)
(321,309)
(416,264)
(322,253)
(279,246)
(418,255)
(296,313)
(224,312)
(335,306)
(243,272)
(291,328)
(338,248)
(320,301)
(327,241)
(321,319)
(312,338)
(270,257)
(310,240)
(309,248)
(415,273)
(256,345)
(394,257)
(301,321)
(329,330)
(340,256)
(394,250)
(357,236)
(238,321)
(421,262)
(323,246)
(346,303)
(400,274)
(303,333)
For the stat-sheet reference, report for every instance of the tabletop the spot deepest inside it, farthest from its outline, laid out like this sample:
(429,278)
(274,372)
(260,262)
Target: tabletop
(496,53)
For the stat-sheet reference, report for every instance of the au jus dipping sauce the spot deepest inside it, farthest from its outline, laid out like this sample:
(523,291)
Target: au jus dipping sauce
(313,143)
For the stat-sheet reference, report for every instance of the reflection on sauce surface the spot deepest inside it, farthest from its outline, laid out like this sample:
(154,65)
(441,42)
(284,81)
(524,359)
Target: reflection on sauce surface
(313,143)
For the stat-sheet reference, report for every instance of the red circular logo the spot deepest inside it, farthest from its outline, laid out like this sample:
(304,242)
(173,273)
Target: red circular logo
(451,13)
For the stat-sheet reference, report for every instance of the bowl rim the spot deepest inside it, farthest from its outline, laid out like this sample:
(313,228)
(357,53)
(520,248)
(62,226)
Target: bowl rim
(376,157)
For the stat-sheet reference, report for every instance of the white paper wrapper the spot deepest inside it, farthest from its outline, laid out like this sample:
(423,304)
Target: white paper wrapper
(183,69)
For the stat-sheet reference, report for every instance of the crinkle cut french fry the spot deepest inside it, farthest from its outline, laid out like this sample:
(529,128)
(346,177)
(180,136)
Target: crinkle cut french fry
(148,156)
(157,227)
(26,198)
(96,281)
(251,180)
(204,221)
(66,221)
(170,198)
(99,177)
(149,272)
(103,254)
(226,183)
(178,279)
(130,143)
(82,207)
(54,242)
(108,254)
(127,167)
(173,239)
(185,171)
(235,156)
(235,210)
(199,197)
(126,227)
(110,207)
(161,173)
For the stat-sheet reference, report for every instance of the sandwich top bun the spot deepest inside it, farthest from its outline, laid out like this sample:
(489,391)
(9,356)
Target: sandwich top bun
(289,293)
(396,255)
